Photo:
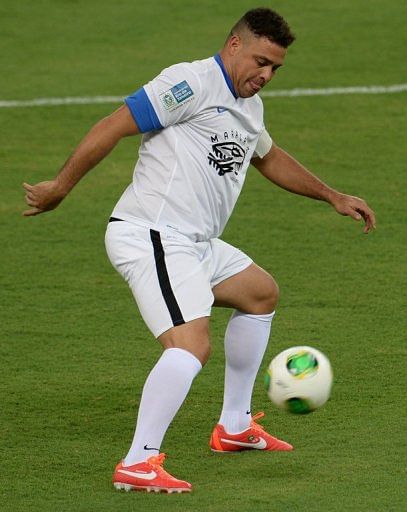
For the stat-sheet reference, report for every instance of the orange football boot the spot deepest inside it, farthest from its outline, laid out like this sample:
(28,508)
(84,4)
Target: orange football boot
(148,476)
(253,438)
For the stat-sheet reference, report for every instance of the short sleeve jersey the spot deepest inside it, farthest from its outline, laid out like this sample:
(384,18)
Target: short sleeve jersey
(198,139)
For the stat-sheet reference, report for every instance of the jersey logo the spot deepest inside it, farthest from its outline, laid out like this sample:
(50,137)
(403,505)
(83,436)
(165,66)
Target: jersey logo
(178,94)
(221,109)
(226,157)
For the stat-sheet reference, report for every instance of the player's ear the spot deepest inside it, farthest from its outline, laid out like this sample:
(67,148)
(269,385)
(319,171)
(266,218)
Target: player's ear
(234,43)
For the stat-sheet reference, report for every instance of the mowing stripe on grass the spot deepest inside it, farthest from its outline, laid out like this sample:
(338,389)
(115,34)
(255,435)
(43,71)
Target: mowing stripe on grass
(329,91)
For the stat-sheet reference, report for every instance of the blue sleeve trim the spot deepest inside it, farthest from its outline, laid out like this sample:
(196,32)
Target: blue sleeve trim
(143,111)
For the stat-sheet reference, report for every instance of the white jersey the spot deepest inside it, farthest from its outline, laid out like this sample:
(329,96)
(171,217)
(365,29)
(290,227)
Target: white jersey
(198,140)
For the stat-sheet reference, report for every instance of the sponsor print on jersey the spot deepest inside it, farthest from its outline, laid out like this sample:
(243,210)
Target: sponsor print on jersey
(227,156)
(177,96)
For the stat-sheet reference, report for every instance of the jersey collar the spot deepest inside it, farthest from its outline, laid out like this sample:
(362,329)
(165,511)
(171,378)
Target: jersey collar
(225,75)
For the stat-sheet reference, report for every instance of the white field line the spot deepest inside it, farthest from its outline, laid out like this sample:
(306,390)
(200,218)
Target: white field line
(330,91)
(41,102)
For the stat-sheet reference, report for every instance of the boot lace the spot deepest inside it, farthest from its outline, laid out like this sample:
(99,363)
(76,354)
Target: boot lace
(157,462)
(255,425)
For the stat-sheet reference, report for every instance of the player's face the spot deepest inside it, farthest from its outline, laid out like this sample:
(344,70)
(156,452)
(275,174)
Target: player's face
(254,63)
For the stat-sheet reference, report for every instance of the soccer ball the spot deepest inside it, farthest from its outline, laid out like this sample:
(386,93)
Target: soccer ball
(299,380)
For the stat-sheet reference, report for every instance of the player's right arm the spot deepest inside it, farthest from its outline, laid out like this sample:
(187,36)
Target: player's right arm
(96,145)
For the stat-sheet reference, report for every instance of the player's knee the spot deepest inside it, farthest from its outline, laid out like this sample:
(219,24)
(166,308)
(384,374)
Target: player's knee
(204,353)
(192,336)
(267,298)
(200,348)
(274,295)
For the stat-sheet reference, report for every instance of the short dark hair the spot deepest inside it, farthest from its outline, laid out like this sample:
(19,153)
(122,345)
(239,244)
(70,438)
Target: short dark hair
(264,22)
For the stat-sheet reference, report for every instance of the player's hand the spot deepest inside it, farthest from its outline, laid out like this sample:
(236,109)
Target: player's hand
(356,208)
(42,197)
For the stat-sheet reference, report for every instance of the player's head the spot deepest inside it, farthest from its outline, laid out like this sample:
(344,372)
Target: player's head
(255,49)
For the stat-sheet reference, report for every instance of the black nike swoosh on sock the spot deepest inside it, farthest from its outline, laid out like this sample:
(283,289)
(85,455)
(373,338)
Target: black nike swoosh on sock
(248,412)
(147,448)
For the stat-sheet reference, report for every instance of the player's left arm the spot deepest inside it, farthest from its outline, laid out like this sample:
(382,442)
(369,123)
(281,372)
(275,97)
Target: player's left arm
(283,170)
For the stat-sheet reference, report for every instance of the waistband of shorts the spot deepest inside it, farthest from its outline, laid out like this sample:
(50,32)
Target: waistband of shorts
(144,224)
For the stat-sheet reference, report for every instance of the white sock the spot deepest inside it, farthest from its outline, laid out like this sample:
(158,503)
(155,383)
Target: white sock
(246,340)
(164,391)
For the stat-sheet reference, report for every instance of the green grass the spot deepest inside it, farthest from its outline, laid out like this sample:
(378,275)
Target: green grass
(74,352)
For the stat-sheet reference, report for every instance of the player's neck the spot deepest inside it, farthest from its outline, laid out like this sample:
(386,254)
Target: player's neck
(227,67)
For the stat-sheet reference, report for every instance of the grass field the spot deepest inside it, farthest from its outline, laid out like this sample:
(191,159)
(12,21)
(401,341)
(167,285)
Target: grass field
(74,351)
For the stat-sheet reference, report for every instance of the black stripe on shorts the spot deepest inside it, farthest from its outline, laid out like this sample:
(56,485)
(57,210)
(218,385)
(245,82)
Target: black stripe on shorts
(164,280)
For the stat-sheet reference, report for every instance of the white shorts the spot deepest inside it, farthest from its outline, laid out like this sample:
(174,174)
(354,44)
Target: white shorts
(171,276)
